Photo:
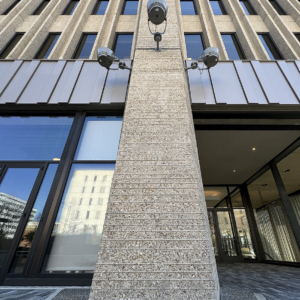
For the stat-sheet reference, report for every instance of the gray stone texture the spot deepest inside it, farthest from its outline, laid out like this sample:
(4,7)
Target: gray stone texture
(156,242)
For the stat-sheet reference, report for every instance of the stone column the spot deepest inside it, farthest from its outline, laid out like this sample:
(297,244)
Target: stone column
(156,241)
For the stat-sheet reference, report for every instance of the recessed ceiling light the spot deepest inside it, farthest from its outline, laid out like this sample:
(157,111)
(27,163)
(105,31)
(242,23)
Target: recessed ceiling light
(233,170)
(253,149)
(286,170)
(265,184)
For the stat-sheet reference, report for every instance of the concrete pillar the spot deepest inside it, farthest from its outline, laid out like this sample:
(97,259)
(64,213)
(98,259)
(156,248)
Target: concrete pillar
(156,242)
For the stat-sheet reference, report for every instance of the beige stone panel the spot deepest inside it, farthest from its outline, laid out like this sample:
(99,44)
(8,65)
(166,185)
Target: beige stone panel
(1,18)
(5,4)
(257,24)
(290,24)
(34,38)
(14,19)
(93,23)
(290,7)
(16,10)
(60,24)
(27,24)
(126,23)
(224,24)
(191,24)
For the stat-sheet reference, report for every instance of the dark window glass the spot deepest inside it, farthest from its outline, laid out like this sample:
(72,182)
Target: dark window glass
(232,46)
(15,190)
(123,45)
(276,6)
(217,7)
(11,45)
(269,46)
(247,7)
(21,254)
(48,46)
(187,7)
(71,8)
(11,7)
(130,7)
(194,45)
(297,35)
(85,46)
(100,8)
(41,7)
(33,138)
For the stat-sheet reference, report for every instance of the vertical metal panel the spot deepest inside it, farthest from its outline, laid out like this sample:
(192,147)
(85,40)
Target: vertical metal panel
(260,96)
(248,89)
(226,84)
(293,78)
(298,65)
(116,86)
(265,83)
(90,84)
(42,83)
(278,83)
(66,82)
(19,82)
(7,70)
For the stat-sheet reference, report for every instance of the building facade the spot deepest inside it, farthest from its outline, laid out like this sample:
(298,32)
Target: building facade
(138,182)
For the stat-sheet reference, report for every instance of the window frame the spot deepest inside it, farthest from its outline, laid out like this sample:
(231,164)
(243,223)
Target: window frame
(80,43)
(275,46)
(282,11)
(45,41)
(95,6)
(37,9)
(249,3)
(195,8)
(195,33)
(238,42)
(124,6)
(114,44)
(67,7)
(222,7)
(297,35)
(10,41)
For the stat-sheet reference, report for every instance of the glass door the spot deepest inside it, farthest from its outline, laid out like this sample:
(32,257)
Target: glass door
(18,187)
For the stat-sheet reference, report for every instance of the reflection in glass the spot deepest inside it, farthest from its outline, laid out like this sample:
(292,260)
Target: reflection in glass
(217,7)
(187,8)
(194,45)
(227,237)
(131,7)
(21,254)
(289,169)
(247,7)
(123,45)
(214,194)
(269,46)
(71,7)
(232,46)
(48,46)
(274,227)
(99,139)
(244,234)
(100,8)
(85,46)
(15,190)
(33,138)
(212,231)
(236,199)
(76,235)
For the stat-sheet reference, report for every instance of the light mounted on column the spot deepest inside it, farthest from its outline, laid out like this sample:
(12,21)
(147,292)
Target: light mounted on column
(157,14)
(106,57)
(210,58)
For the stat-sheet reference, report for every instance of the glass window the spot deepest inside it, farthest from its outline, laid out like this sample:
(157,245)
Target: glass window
(85,46)
(187,7)
(244,233)
(289,169)
(236,199)
(194,45)
(41,7)
(11,7)
(130,7)
(269,46)
(100,8)
(214,194)
(247,7)
(123,45)
(278,8)
(99,139)
(274,227)
(21,254)
(15,190)
(33,138)
(71,7)
(13,42)
(48,46)
(232,46)
(217,7)
(75,239)
(297,35)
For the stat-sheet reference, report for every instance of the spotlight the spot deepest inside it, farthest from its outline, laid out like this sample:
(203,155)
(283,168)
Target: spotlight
(106,58)
(210,58)
(157,14)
